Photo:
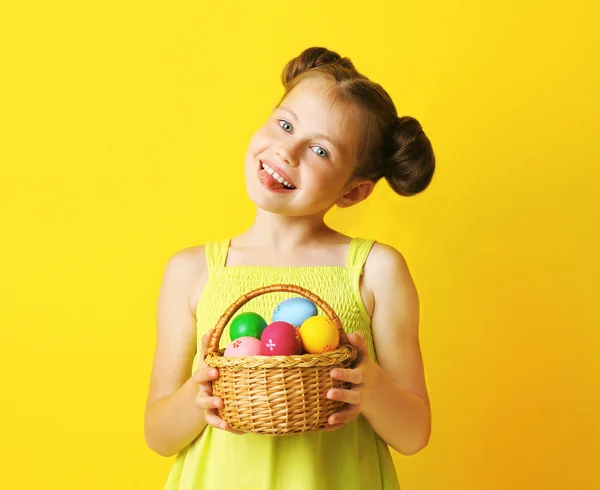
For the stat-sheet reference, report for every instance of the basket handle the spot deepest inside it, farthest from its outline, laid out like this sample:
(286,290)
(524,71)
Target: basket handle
(213,346)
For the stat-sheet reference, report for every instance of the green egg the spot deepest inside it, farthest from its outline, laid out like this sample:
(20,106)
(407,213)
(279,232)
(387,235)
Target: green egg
(247,325)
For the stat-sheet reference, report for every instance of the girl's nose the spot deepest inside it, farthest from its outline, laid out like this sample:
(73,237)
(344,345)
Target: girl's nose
(287,157)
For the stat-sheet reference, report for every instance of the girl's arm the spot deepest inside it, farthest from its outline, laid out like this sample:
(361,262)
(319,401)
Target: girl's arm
(172,419)
(392,395)
(395,400)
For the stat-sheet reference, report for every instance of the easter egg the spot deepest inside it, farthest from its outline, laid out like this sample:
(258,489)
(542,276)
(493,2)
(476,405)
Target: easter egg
(294,311)
(280,339)
(319,335)
(247,325)
(243,346)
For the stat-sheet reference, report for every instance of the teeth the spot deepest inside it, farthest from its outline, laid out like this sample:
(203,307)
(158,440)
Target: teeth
(277,177)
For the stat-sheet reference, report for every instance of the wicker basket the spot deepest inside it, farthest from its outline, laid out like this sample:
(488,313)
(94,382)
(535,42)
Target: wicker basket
(278,395)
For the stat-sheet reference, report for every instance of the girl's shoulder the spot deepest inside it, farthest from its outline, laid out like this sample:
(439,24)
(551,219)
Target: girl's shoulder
(191,259)
(385,267)
(188,267)
(383,255)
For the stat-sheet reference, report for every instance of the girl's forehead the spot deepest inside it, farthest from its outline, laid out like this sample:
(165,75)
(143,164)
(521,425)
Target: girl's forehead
(315,96)
(314,103)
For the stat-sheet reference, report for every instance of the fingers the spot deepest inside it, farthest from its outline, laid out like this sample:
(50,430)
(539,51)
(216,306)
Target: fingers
(338,419)
(355,376)
(213,419)
(205,374)
(205,342)
(357,339)
(353,396)
(208,402)
(217,422)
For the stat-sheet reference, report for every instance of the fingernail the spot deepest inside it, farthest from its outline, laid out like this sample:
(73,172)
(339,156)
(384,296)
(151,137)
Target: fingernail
(330,394)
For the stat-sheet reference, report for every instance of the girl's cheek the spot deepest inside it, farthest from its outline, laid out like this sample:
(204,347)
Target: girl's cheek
(260,141)
(268,134)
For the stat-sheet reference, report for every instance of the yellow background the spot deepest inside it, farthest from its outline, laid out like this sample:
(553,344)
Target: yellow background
(123,130)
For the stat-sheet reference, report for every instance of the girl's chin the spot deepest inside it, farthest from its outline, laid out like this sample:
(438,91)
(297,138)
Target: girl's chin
(269,205)
(272,203)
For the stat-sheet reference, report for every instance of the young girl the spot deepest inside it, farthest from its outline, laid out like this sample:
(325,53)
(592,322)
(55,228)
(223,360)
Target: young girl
(333,135)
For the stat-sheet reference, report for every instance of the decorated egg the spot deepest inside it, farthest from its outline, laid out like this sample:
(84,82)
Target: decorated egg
(247,325)
(294,311)
(243,346)
(319,335)
(280,339)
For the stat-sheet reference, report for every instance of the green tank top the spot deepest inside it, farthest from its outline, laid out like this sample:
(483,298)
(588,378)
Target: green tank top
(351,458)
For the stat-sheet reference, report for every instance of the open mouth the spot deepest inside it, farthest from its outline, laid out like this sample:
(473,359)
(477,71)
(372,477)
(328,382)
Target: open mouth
(272,179)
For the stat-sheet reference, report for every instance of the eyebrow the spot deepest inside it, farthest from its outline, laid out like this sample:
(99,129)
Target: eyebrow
(320,135)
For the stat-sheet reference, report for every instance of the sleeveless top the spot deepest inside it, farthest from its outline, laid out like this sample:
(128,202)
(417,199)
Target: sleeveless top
(351,458)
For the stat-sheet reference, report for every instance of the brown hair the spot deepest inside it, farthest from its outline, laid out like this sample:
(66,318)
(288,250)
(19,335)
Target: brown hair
(392,147)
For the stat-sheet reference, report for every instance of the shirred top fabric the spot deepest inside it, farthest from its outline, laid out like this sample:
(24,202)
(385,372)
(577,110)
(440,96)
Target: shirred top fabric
(351,458)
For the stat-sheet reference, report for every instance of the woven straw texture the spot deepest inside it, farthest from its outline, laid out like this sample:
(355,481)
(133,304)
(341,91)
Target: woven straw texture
(278,395)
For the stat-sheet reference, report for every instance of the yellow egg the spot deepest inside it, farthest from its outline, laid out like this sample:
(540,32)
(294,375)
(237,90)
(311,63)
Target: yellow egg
(319,335)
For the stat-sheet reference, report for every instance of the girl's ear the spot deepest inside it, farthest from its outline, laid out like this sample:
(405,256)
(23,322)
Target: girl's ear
(357,192)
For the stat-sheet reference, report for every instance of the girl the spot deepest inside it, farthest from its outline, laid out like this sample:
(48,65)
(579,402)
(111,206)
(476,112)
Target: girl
(333,135)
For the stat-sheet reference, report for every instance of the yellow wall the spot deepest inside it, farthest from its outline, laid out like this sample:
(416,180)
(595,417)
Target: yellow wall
(118,121)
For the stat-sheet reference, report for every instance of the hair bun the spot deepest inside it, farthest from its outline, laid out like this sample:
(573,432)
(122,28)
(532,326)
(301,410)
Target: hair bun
(388,146)
(311,58)
(411,165)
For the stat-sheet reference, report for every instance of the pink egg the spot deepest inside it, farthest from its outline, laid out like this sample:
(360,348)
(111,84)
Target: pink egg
(243,346)
(280,339)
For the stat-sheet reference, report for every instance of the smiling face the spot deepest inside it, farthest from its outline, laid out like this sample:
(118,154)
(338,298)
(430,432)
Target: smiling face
(300,161)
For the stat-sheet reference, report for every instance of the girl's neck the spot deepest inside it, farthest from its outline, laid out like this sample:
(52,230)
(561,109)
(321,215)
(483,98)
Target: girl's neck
(274,232)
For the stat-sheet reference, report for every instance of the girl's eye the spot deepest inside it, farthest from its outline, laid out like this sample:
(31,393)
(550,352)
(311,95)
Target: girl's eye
(287,124)
(322,153)
(284,125)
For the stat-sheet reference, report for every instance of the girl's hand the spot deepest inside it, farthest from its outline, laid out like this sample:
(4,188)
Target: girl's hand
(204,376)
(359,376)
